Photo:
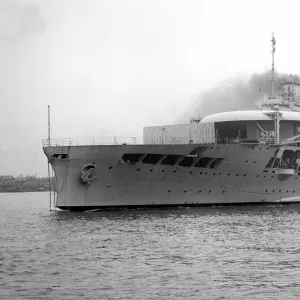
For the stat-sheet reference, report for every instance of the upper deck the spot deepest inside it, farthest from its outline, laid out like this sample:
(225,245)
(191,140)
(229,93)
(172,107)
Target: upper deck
(114,141)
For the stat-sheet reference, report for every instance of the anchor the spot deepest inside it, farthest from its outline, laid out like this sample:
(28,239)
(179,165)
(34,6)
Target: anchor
(88,173)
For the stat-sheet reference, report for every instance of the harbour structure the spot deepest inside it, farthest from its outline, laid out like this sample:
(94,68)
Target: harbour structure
(228,158)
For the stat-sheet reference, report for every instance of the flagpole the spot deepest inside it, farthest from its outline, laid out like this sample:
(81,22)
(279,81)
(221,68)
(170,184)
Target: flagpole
(49,174)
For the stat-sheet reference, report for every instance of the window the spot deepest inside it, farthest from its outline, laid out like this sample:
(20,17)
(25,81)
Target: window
(60,156)
(171,160)
(152,158)
(132,158)
(187,161)
(204,162)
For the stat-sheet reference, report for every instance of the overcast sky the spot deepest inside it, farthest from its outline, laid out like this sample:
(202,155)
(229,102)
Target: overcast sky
(110,67)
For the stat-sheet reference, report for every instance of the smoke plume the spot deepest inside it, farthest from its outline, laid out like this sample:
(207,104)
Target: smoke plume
(240,93)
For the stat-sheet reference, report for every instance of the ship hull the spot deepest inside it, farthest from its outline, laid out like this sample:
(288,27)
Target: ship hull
(240,179)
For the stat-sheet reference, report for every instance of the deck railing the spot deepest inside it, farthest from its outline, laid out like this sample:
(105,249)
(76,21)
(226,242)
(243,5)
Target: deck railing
(59,142)
(92,141)
(118,141)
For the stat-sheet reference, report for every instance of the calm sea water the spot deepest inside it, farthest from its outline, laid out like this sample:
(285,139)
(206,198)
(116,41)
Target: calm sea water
(203,253)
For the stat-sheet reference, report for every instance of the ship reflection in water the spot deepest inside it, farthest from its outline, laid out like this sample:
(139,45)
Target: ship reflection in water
(233,252)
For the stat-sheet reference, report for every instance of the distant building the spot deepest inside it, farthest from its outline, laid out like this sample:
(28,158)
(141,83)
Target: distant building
(6,177)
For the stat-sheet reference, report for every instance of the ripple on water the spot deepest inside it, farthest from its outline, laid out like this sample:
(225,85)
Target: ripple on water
(208,253)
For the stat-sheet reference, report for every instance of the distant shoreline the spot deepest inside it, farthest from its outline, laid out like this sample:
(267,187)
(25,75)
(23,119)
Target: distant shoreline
(22,190)
(24,184)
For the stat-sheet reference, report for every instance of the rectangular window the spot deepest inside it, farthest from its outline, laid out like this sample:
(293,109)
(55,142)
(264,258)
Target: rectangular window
(152,158)
(171,160)
(132,158)
(60,156)
(187,161)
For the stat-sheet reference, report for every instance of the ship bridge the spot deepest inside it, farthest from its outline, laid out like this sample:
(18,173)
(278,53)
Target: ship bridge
(255,126)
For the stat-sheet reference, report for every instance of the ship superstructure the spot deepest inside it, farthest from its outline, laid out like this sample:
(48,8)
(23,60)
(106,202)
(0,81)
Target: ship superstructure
(235,157)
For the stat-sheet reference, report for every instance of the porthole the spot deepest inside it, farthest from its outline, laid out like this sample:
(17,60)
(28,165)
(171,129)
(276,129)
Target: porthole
(265,176)
(214,173)
(273,191)
(223,192)
(279,191)
(138,169)
(162,171)
(169,191)
(200,173)
(190,172)
(245,175)
(199,191)
(174,171)
(205,173)
(184,191)
(151,170)
(237,175)
(266,191)
(228,174)
(110,167)
(209,192)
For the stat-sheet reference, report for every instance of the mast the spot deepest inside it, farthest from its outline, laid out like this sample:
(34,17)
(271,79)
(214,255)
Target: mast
(273,68)
(275,114)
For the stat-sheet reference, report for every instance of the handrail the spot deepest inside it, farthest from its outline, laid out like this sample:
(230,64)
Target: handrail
(91,141)
(122,141)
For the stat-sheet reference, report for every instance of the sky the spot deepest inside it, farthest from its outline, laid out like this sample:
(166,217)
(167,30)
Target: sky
(110,67)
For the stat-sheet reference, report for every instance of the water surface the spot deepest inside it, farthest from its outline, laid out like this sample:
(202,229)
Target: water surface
(250,252)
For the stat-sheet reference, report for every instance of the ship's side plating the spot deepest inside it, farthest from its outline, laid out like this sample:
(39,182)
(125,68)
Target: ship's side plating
(240,176)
